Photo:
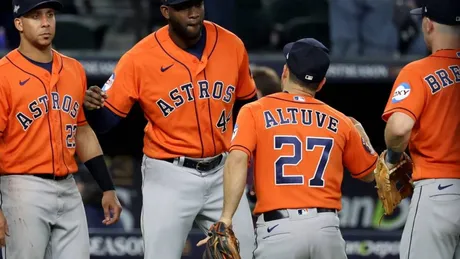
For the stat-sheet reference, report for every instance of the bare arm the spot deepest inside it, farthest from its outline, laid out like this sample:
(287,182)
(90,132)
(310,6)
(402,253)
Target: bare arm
(235,173)
(89,151)
(87,144)
(397,135)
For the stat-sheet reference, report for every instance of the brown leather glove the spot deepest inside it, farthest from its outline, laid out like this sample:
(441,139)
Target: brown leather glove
(222,243)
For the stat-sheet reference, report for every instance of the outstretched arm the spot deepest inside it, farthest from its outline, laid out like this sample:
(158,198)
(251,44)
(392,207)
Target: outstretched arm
(235,173)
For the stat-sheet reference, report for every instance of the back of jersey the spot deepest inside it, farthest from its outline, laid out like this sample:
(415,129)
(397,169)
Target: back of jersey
(428,91)
(301,148)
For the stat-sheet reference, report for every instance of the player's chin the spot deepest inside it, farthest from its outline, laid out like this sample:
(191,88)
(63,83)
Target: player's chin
(193,31)
(45,41)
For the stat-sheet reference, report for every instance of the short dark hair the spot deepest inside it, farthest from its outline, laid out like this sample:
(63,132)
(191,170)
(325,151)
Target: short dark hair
(267,80)
(312,86)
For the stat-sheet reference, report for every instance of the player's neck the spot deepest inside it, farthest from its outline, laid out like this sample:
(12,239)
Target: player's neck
(446,42)
(182,43)
(295,89)
(35,54)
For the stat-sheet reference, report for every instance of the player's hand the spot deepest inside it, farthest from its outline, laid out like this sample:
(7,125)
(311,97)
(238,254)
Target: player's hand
(112,207)
(227,222)
(3,229)
(95,98)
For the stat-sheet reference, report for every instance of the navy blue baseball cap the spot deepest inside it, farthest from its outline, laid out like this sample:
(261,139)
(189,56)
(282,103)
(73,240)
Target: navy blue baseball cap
(174,2)
(308,59)
(441,11)
(21,7)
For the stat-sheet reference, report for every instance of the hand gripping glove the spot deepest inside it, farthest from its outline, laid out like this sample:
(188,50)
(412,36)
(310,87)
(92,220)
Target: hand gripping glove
(222,243)
(393,183)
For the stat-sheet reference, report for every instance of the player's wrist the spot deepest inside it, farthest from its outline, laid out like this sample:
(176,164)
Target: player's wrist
(393,157)
(100,173)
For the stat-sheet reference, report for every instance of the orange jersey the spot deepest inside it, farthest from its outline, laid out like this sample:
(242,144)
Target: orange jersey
(428,90)
(39,114)
(187,102)
(300,147)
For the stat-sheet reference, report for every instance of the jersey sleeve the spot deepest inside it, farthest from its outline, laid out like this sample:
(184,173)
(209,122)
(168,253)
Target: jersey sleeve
(81,118)
(121,87)
(246,87)
(408,95)
(359,157)
(4,108)
(244,133)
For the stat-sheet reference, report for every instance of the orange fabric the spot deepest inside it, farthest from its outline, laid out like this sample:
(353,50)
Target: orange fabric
(39,114)
(428,90)
(293,139)
(187,102)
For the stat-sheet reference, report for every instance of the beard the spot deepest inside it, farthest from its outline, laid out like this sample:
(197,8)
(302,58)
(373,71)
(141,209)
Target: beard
(182,31)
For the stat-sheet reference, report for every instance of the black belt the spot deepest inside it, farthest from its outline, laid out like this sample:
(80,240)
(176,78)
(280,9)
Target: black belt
(282,214)
(43,176)
(200,165)
(50,176)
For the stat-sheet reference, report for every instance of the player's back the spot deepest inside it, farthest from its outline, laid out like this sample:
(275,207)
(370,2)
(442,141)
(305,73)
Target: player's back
(431,94)
(302,148)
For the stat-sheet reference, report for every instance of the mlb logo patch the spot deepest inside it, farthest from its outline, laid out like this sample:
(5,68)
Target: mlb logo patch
(299,99)
(109,83)
(235,130)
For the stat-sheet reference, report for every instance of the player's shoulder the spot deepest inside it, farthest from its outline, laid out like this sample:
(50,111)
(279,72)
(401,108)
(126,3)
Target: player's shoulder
(340,116)
(417,67)
(223,34)
(68,61)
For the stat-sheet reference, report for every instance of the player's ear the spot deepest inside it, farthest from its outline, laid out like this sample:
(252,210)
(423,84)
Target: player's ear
(320,86)
(18,24)
(428,25)
(164,11)
(285,74)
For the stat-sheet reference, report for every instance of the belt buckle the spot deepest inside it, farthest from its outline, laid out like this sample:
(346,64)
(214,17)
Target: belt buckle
(203,165)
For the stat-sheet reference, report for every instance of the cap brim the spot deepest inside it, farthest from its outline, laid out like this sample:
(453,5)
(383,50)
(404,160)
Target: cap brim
(177,2)
(417,11)
(287,48)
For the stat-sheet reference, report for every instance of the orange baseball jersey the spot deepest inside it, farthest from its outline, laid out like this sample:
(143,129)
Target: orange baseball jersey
(428,90)
(187,102)
(39,114)
(300,147)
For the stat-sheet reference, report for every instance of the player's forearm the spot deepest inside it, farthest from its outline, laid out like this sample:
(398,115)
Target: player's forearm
(90,153)
(102,120)
(235,173)
(397,135)
(87,144)
(398,131)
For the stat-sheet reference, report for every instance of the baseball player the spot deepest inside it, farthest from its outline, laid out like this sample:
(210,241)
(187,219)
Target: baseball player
(42,127)
(422,114)
(300,146)
(190,77)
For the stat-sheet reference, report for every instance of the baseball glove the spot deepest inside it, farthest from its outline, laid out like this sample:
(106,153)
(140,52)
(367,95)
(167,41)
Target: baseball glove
(222,243)
(393,184)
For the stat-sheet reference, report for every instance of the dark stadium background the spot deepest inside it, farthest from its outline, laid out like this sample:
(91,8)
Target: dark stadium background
(98,32)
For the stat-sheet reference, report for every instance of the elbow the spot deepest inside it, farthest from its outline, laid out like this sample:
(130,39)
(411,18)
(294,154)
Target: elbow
(395,131)
(399,125)
(369,177)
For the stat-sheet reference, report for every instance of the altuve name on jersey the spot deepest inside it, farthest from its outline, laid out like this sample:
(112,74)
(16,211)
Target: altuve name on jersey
(39,106)
(176,99)
(295,116)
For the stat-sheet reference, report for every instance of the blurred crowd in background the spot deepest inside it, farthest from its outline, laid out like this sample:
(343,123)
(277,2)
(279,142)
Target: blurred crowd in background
(351,28)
